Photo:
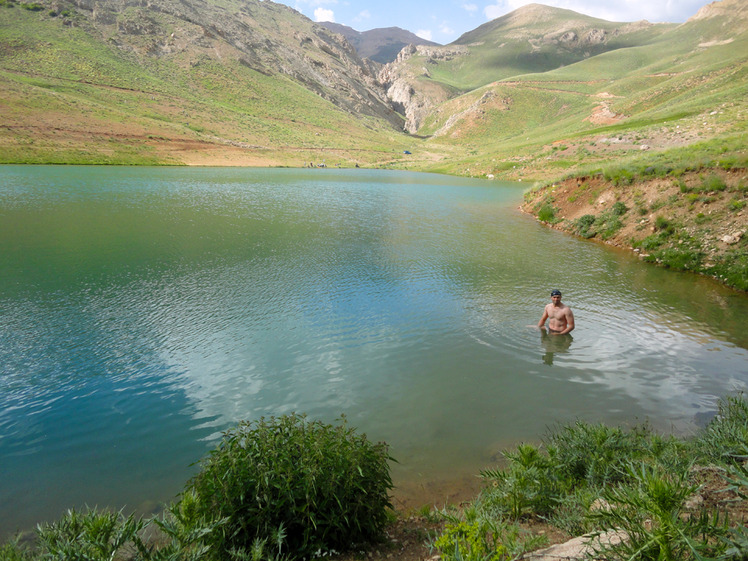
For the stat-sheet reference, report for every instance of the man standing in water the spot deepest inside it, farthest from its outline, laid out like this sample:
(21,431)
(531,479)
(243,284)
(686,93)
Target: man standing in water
(560,315)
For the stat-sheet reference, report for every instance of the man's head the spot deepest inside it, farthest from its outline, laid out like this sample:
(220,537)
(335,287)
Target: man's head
(555,292)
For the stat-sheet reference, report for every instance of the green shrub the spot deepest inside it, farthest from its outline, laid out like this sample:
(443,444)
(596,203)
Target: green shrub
(663,224)
(572,510)
(33,7)
(650,512)
(93,535)
(738,540)
(584,226)
(680,258)
(469,542)
(702,218)
(595,454)
(14,551)
(620,176)
(713,183)
(683,187)
(325,487)
(736,205)
(656,240)
(732,268)
(527,486)
(619,209)
(612,225)
(187,529)
(547,213)
(471,534)
(725,438)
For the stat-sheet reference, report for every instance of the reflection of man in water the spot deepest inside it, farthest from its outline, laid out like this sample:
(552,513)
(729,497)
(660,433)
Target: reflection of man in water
(560,315)
(553,344)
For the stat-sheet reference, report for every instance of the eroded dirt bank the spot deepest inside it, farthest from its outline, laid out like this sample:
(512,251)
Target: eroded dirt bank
(694,222)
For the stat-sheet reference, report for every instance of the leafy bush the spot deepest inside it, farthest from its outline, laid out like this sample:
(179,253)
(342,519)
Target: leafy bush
(738,539)
(187,530)
(650,512)
(528,485)
(725,438)
(13,551)
(93,535)
(471,535)
(547,213)
(322,486)
(663,224)
(619,209)
(469,542)
(713,183)
(584,226)
(620,176)
(733,268)
(606,225)
(595,454)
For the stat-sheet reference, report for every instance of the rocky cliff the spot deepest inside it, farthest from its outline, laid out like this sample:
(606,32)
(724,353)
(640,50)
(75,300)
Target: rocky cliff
(267,37)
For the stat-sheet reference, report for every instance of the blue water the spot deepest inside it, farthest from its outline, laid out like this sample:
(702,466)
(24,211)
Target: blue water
(145,310)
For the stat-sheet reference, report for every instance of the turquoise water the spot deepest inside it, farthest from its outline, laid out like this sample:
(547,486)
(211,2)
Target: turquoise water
(145,310)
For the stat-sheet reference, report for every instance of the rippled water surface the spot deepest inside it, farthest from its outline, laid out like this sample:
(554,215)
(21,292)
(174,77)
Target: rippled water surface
(142,311)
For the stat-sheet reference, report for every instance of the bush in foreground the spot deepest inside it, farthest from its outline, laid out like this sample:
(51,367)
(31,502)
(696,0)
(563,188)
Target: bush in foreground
(277,489)
(591,478)
(297,487)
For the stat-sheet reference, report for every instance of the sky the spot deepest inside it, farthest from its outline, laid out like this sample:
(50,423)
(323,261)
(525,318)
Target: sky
(443,21)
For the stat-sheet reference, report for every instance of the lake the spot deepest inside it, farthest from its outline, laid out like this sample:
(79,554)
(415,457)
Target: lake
(145,310)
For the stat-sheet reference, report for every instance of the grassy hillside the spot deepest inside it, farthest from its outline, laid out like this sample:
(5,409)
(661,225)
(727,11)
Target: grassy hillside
(534,95)
(686,84)
(69,97)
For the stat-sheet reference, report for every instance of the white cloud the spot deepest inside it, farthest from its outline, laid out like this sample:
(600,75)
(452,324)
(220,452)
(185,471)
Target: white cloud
(472,8)
(424,34)
(362,16)
(323,14)
(445,29)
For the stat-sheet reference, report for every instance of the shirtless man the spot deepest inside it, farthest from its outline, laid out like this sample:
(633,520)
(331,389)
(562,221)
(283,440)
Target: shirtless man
(561,319)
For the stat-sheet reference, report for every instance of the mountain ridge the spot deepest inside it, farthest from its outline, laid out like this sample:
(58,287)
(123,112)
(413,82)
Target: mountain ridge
(380,45)
(259,75)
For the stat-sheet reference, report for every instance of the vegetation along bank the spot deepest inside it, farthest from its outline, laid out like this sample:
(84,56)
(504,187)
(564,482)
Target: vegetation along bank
(684,209)
(288,488)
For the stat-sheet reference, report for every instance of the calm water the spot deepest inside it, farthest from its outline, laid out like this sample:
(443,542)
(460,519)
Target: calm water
(142,311)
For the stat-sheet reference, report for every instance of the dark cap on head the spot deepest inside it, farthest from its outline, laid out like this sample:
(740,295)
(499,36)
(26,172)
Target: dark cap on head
(555,292)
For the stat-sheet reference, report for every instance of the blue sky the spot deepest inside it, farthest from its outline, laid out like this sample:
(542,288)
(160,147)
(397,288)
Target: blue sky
(443,21)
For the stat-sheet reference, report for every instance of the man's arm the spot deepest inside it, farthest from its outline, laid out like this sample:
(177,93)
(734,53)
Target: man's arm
(569,322)
(542,321)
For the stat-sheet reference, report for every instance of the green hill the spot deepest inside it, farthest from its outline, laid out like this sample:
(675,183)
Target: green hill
(219,82)
(671,86)
(531,95)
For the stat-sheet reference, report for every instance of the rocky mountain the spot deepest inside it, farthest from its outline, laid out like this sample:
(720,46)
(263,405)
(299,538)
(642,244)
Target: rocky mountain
(264,36)
(191,75)
(380,45)
(530,40)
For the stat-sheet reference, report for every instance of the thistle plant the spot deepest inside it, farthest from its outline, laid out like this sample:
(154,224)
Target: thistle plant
(94,535)
(650,513)
(474,535)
